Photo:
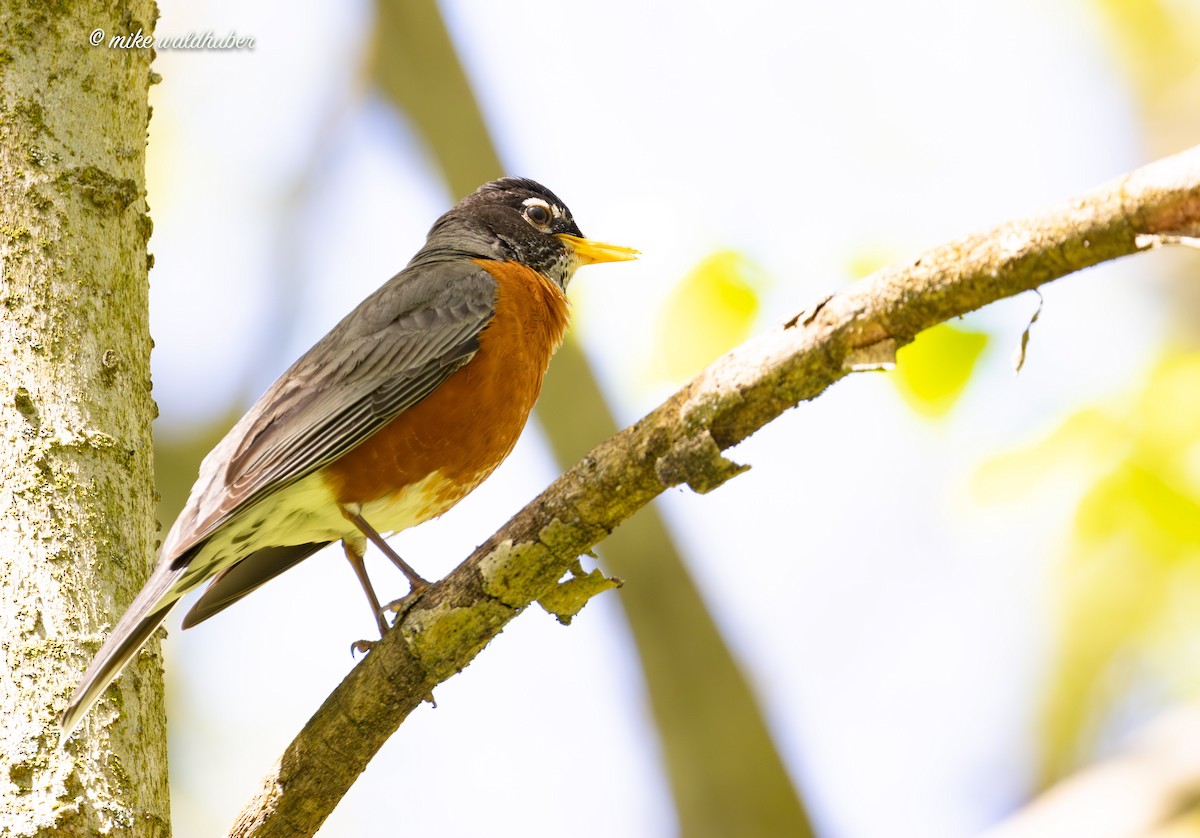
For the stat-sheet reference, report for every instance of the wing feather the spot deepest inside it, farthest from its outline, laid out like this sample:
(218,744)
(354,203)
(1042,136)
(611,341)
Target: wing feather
(383,358)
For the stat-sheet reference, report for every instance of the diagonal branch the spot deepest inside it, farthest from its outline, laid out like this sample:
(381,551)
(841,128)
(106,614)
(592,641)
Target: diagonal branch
(681,442)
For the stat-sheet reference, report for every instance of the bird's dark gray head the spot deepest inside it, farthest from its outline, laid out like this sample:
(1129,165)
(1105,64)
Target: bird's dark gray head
(519,220)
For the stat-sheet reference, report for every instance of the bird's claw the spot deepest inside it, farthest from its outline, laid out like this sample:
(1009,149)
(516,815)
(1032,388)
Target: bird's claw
(400,606)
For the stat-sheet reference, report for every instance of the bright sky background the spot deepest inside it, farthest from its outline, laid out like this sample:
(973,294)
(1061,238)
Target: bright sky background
(894,625)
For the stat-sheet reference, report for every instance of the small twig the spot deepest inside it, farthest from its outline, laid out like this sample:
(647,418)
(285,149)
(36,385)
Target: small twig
(1019,361)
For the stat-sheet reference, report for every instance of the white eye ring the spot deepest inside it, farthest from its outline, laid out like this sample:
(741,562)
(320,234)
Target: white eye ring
(538,213)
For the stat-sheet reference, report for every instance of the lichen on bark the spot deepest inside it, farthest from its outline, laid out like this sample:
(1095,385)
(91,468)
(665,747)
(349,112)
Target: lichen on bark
(77,527)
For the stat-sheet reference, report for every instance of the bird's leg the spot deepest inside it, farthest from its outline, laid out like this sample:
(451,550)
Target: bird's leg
(415,579)
(355,549)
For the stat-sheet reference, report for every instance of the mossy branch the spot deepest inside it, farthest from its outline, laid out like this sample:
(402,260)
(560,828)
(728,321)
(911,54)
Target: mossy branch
(681,442)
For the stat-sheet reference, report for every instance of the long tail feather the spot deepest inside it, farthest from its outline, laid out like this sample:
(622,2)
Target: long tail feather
(147,611)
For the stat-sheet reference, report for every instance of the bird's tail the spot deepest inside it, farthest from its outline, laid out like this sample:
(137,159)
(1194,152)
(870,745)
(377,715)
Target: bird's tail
(147,611)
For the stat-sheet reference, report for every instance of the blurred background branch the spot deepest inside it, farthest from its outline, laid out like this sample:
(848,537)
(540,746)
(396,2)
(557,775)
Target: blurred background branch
(1149,789)
(724,770)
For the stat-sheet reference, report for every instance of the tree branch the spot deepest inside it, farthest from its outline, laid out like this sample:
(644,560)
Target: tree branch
(681,442)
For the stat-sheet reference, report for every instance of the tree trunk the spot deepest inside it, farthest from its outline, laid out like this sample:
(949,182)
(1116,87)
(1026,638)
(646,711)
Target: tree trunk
(77,531)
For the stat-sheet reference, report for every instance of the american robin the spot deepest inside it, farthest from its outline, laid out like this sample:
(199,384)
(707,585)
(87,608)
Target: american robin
(388,421)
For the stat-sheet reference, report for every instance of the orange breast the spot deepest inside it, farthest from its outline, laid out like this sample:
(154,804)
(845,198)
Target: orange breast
(471,422)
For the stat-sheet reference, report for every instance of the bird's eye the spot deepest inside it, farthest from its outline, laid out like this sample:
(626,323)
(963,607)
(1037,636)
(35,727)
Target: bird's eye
(538,215)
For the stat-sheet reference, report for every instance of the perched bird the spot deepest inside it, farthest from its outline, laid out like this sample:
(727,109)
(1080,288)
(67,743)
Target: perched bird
(389,420)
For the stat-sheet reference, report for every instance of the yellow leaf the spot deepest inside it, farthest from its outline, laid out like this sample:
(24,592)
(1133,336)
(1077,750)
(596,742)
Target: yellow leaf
(1088,444)
(1129,598)
(1137,503)
(933,370)
(866,261)
(1167,413)
(1156,41)
(709,312)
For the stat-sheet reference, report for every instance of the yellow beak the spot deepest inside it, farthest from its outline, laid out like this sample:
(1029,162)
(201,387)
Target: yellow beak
(589,252)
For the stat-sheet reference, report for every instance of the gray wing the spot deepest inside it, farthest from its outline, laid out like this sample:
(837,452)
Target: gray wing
(326,409)
(383,358)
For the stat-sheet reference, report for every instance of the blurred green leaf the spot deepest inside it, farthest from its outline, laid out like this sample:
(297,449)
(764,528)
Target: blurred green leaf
(1128,610)
(1135,502)
(932,371)
(866,260)
(1156,41)
(1156,44)
(1085,445)
(709,312)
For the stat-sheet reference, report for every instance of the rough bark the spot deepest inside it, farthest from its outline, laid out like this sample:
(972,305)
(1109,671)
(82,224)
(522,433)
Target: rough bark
(77,529)
(681,442)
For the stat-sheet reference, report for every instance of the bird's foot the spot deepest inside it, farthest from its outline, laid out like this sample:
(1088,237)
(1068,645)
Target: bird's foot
(363,646)
(400,607)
